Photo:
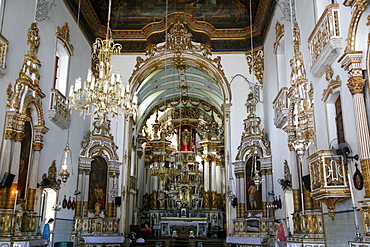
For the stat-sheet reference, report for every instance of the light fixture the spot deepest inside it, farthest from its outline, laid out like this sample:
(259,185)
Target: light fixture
(257,179)
(103,93)
(66,162)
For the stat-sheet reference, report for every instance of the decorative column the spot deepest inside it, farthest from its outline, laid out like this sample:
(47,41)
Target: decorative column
(265,201)
(213,175)
(6,157)
(295,181)
(111,197)
(218,176)
(240,184)
(351,61)
(14,168)
(79,196)
(86,193)
(206,159)
(32,183)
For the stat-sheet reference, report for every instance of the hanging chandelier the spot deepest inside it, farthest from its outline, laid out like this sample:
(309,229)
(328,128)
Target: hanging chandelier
(103,93)
(65,163)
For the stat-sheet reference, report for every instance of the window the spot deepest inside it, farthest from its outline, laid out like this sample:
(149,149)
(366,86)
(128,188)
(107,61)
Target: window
(339,120)
(61,68)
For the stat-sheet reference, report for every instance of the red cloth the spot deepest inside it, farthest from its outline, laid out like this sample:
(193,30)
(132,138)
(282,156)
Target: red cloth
(281,233)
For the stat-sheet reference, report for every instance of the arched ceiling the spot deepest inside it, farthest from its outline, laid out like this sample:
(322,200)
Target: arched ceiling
(224,24)
(164,84)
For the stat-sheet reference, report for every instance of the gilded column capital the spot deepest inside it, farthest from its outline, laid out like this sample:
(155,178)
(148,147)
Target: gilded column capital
(87,172)
(207,157)
(19,136)
(37,146)
(356,84)
(81,171)
(239,175)
(9,135)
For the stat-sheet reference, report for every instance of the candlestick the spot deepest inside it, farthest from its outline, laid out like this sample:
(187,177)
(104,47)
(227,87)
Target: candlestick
(13,215)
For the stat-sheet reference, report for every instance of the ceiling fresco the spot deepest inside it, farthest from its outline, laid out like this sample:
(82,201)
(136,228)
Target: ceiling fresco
(224,24)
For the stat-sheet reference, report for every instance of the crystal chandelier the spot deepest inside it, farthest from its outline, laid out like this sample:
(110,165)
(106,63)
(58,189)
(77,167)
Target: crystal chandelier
(103,93)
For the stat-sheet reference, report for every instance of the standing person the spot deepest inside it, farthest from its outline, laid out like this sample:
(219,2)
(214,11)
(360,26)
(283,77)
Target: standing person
(280,234)
(46,231)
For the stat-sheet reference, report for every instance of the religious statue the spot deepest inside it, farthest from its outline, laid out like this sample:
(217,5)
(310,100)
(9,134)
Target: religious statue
(97,209)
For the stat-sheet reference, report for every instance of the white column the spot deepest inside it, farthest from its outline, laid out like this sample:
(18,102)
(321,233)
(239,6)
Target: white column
(218,179)
(213,178)
(86,193)
(5,159)
(14,168)
(34,169)
(206,176)
(241,197)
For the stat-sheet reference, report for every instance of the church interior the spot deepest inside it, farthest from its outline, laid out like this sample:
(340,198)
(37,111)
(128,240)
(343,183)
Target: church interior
(173,123)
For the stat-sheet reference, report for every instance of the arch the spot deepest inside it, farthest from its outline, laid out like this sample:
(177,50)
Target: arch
(358,10)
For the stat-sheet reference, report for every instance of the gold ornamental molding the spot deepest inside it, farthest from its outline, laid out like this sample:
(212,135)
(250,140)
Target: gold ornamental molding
(356,84)
(63,34)
(325,41)
(333,84)
(279,32)
(196,55)
(359,7)
(256,63)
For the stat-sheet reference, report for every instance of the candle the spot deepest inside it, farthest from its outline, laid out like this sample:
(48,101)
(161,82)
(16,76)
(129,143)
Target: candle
(15,200)
(15,203)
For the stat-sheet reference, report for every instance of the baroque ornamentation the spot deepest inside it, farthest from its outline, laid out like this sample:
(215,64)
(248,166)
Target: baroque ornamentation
(329,183)
(279,32)
(63,34)
(325,41)
(332,83)
(256,64)
(99,142)
(357,12)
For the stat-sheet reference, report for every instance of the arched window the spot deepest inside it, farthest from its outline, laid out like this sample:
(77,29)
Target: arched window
(61,66)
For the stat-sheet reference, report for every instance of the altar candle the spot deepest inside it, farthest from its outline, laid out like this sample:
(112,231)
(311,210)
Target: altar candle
(15,201)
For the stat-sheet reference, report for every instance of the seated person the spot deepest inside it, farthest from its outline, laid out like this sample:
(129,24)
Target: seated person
(144,229)
(143,224)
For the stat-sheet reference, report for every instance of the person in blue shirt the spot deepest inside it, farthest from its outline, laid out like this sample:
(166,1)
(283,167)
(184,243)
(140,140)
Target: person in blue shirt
(46,231)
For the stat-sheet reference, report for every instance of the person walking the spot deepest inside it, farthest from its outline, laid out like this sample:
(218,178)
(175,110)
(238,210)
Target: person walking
(46,231)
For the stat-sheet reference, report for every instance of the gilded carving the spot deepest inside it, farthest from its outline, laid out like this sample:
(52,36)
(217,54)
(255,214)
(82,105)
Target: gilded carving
(332,83)
(365,165)
(33,39)
(63,35)
(356,84)
(256,64)
(357,12)
(279,32)
(37,146)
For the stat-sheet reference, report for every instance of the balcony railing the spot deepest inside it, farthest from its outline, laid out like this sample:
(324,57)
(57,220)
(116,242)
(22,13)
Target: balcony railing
(59,111)
(280,105)
(3,52)
(329,182)
(325,40)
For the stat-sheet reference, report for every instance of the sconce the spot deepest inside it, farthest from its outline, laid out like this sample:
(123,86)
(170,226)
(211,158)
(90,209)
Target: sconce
(56,207)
